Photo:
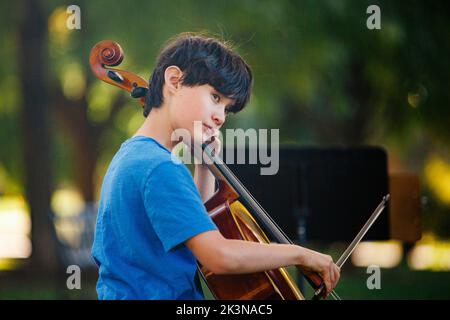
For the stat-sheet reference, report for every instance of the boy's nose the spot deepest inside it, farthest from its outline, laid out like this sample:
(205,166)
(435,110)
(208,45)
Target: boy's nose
(219,118)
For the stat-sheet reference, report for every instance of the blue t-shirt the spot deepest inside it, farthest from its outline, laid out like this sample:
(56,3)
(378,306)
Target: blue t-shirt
(149,206)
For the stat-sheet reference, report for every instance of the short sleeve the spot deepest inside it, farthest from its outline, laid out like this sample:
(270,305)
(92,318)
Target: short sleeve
(174,206)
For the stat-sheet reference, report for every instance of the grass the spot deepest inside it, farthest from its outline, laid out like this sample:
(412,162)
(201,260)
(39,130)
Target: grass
(396,283)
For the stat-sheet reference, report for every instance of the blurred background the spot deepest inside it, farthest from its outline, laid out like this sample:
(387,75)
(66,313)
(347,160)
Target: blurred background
(321,76)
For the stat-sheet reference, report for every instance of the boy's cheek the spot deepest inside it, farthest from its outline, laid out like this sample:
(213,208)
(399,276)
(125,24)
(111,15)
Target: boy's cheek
(184,116)
(191,111)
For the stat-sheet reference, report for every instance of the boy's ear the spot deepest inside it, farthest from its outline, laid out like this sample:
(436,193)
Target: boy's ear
(172,77)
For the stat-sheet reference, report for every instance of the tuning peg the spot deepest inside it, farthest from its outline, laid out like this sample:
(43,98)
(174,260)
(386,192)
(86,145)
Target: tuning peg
(139,92)
(115,76)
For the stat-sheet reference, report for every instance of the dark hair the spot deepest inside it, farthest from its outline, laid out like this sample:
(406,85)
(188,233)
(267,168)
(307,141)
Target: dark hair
(203,60)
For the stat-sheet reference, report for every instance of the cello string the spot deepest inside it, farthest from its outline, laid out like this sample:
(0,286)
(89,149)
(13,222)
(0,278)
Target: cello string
(242,190)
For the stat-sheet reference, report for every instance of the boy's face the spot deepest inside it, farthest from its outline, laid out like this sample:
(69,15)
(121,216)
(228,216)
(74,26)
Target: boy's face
(201,104)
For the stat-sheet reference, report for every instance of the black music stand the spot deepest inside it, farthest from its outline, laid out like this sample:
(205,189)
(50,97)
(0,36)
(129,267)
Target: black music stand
(321,194)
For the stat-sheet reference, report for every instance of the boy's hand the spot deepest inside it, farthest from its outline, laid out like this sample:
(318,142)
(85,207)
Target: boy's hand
(203,178)
(317,263)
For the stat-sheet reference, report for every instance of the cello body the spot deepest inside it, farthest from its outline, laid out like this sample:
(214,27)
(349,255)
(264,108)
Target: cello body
(235,222)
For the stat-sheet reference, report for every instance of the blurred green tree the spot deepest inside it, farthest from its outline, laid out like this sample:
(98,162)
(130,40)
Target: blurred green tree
(314,62)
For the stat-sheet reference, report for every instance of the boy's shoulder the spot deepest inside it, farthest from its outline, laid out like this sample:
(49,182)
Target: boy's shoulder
(141,155)
(143,147)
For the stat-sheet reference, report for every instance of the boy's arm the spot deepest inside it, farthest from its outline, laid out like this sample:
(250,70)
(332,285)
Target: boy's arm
(224,256)
(205,181)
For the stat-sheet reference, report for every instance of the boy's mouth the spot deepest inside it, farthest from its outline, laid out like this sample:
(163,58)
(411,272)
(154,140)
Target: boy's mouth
(209,131)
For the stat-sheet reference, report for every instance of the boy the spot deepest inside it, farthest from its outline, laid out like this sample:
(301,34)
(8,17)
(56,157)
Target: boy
(152,225)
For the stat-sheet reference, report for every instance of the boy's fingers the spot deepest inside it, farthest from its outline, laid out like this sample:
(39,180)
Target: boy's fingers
(327,282)
(332,277)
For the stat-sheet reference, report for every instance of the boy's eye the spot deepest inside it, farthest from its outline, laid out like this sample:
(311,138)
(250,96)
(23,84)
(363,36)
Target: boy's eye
(216,97)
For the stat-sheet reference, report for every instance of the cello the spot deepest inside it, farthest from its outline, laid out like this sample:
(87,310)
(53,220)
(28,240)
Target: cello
(232,208)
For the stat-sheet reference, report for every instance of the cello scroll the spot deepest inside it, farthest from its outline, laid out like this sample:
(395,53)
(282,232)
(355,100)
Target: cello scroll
(107,54)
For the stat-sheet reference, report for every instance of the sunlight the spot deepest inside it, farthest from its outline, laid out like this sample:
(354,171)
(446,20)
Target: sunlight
(67,202)
(73,80)
(386,254)
(15,227)
(100,100)
(57,27)
(437,175)
(430,254)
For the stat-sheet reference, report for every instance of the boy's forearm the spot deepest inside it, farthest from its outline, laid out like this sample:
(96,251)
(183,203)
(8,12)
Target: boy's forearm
(205,181)
(247,257)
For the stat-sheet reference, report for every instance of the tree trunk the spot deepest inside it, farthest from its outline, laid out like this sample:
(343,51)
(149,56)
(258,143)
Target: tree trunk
(83,136)
(36,134)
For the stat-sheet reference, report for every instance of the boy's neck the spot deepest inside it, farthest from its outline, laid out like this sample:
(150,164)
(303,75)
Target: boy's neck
(157,126)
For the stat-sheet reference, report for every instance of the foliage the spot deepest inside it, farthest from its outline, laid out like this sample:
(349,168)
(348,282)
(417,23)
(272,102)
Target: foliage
(314,61)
